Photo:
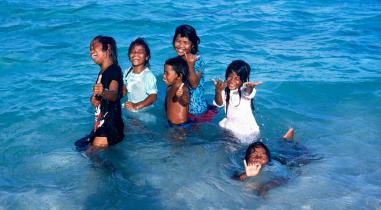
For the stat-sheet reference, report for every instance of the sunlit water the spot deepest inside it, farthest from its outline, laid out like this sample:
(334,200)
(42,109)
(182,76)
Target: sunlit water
(319,61)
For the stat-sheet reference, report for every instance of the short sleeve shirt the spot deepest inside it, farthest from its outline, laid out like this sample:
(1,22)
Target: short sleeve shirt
(139,86)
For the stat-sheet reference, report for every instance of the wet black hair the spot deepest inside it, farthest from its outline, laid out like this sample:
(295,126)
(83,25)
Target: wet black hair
(242,69)
(108,43)
(140,41)
(180,66)
(190,33)
(252,148)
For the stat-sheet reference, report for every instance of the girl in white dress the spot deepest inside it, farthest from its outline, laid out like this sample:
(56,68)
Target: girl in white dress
(235,95)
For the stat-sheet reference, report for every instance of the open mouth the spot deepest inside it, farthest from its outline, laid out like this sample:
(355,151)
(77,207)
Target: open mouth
(180,51)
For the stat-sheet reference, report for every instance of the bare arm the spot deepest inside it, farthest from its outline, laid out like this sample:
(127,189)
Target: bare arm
(193,78)
(218,94)
(111,94)
(124,90)
(140,105)
(249,86)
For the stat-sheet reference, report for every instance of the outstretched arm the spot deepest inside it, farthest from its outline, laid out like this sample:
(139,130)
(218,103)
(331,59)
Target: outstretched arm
(249,86)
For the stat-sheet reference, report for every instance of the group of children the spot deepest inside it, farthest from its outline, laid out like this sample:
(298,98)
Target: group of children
(184,101)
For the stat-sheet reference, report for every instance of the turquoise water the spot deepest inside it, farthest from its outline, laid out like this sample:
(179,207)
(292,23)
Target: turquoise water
(319,61)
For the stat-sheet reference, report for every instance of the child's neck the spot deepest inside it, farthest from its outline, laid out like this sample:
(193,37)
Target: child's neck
(138,69)
(175,84)
(107,63)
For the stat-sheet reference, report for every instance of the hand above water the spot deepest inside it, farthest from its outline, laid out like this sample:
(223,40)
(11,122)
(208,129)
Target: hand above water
(220,85)
(252,169)
(180,91)
(249,86)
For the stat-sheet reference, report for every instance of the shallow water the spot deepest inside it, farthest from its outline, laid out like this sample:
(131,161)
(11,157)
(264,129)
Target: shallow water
(319,61)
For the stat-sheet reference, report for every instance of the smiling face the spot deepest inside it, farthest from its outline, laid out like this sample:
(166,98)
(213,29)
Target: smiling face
(182,45)
(96,52)
(258,156)
(138,56)
(170,76)
(233,81)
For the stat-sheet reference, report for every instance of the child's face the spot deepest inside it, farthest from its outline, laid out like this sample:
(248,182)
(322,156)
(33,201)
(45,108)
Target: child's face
(259,156)
(182,45)
(138,55)
(96,52)
(233,81)
(170,76)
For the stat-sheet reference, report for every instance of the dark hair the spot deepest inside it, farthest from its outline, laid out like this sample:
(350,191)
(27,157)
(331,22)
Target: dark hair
(242,69)
(180,66)
(108,43)
(190,33)
(140,41)
(252,148)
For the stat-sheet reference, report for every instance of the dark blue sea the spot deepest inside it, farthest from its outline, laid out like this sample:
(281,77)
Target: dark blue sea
(319,61)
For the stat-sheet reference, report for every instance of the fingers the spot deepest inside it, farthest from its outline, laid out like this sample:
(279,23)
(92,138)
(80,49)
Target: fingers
(99,79)
(180,91)
(97,89)
(252,84)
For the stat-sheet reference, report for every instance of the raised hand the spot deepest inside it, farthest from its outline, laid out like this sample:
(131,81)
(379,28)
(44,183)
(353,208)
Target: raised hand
(249,86)
(252,84)
(98,87)
(252,169)
(220,85)
(180,91)
(190,59)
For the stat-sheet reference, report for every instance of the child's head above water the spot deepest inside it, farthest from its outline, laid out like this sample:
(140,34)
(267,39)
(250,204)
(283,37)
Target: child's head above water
(237,73)
(139,52)
(103,44)
(257,153)
(185,40)
(175,69)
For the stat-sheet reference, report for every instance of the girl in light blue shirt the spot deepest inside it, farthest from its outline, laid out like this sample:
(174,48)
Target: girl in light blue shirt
(139,82)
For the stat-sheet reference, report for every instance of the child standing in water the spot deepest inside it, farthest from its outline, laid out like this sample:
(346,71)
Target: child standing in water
(185,41)
(139,81)
(107,92)
(235,95)
(177,96)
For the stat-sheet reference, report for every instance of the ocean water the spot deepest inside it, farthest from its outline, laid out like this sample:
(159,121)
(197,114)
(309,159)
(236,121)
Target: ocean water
(319,62)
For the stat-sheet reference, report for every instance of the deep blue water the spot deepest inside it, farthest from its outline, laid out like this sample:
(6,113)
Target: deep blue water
(319,61)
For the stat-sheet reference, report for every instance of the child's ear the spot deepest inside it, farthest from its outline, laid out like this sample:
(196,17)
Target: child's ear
(109,49)
(180,77)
